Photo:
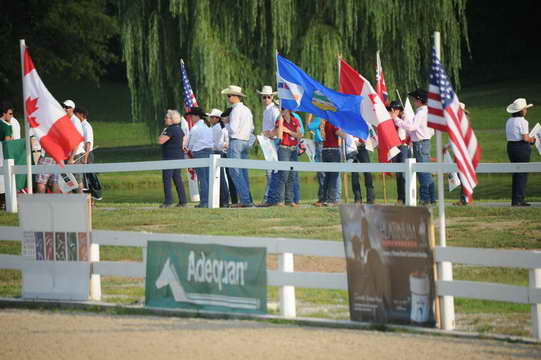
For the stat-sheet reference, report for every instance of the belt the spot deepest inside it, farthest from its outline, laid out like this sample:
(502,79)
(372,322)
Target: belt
(421,140)
(293,147)
(331,148)
(517,142)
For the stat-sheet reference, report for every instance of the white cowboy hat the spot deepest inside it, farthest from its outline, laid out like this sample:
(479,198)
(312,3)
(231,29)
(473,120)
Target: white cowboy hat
(215,113)
(518,105)
(233,90)
(266,90)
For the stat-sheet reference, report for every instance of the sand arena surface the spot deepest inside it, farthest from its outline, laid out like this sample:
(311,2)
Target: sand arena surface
(35,335)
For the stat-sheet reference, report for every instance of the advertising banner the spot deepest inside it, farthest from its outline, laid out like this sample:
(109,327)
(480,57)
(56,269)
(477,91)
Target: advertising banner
(389,264)
(206,277)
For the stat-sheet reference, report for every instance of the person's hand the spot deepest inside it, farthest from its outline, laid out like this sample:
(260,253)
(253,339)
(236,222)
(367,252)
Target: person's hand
(70,161)
(185,149)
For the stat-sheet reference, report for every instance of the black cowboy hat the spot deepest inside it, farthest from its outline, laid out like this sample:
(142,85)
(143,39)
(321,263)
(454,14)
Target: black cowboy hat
(419,94)
(395,105)
(197,111)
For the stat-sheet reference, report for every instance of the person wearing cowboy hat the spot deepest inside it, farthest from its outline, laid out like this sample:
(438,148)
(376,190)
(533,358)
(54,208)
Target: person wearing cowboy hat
(518,147)
(221,142)
(240,128)
(201,144)
(420,134)
(270,114)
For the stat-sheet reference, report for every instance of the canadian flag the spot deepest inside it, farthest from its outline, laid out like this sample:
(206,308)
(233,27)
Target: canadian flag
(50,123)
(373,110)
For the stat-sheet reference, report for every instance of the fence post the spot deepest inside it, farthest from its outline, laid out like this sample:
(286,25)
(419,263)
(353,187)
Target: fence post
(214,181)
(95,279)
(10,185)
(411,182)
(535,283)
(287,293)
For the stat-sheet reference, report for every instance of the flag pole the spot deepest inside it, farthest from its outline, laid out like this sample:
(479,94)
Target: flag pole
(445,269)
(399,97)
(344,178)
(22,44)
(439,157)
(378,67)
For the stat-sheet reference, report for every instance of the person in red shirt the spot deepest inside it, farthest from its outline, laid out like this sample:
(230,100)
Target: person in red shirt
(330,153)
(288,130)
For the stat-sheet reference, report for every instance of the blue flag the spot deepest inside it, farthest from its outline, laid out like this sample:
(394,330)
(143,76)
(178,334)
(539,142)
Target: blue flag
(298,91)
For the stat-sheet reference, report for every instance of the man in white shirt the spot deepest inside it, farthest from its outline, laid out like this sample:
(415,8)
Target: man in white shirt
(76,156)
(201,145)
(270,114)
(15,128)
(518,147)
(240,127)
(420,134)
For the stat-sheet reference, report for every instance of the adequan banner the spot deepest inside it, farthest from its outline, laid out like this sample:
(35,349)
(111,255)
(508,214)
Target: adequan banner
(389,264)
(206,277)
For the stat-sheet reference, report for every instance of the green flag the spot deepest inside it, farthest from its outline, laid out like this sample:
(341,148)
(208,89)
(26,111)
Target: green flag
(16,150)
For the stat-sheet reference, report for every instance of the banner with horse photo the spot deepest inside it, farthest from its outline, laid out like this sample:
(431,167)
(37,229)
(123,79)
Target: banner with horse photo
(390,264)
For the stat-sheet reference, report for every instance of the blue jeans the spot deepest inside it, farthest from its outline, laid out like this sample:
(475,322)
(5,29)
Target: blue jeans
(330,184)
(287,177)
(421,151)
(361,156)
(238,149)
(400,178)
(202,177)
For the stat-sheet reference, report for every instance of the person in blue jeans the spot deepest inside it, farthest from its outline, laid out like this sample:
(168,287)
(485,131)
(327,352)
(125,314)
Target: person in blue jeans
(201,144)
(240,126)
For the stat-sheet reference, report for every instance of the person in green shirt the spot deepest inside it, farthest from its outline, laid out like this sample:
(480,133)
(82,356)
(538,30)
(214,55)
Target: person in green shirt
(6,132)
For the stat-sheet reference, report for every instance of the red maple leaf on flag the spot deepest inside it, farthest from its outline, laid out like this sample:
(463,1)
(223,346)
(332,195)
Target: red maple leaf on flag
(31,107)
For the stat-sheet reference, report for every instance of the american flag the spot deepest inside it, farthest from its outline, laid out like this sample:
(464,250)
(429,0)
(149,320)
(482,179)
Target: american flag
(381,88)
(445,113)
(189,97)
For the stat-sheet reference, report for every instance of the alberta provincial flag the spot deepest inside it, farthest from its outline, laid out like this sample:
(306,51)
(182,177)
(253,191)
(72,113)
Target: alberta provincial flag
(298,91)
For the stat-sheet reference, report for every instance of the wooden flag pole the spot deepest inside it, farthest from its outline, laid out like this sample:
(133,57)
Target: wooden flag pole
(22,44)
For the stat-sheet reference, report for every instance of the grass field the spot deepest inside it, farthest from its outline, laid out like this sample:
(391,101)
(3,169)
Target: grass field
(131,203)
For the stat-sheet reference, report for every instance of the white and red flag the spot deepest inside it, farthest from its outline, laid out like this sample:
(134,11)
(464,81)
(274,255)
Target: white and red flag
(381,88)
(373,110)
(445,113)
(50,123)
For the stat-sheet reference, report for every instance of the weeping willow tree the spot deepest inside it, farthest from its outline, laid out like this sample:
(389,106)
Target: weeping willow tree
(227,42)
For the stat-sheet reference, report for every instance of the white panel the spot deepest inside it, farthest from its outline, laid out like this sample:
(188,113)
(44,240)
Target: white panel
(13,233)
(483,291)
(13,262)
(116,268)
(273,245)
(530,259)
(54,212)
(56,280)
(314,280)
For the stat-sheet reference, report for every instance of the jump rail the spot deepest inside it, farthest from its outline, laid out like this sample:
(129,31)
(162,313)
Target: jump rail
(289,279)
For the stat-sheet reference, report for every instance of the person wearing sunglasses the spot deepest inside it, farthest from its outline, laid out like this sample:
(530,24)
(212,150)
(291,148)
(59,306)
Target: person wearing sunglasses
(270,114)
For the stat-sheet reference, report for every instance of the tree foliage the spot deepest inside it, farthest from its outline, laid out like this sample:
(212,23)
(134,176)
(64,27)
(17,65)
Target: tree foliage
(227,42)
(68,37)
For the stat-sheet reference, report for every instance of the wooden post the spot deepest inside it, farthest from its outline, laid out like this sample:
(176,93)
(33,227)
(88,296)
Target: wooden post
(287,293)
(214,182)
(411,182)
(535,283)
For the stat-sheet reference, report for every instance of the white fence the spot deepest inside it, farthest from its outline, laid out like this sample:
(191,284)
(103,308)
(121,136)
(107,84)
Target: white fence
(214,163)
(287,279)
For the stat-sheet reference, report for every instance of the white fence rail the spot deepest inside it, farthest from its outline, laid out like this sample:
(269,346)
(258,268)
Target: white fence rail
(289,279)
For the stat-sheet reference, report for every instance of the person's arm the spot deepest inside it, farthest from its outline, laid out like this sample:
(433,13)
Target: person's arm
(341,133)
(235,119)
(88,146)
(162,139)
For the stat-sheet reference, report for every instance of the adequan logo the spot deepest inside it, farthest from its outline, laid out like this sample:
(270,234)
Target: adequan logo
(322,102)
(202,270)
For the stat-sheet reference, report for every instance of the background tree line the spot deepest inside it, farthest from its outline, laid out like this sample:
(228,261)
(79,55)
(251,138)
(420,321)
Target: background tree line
(225,42)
